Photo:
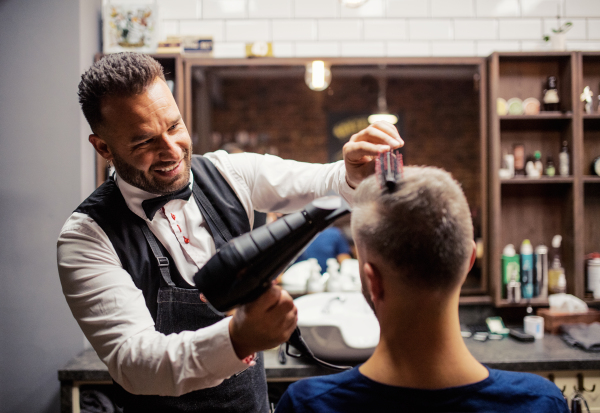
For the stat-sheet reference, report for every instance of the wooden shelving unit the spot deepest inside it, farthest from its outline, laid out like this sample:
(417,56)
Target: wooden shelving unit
(540,208)
(525,208)
(589,125)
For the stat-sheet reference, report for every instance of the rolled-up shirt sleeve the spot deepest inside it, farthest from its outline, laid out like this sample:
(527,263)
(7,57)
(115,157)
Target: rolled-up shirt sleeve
(113,315)
(272,184)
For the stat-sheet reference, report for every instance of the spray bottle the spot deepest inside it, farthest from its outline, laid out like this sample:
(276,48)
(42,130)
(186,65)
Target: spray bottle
(526,269)
(557,282)
(510,268)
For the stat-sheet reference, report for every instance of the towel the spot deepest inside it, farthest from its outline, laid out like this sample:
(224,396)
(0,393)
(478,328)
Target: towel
(585,336)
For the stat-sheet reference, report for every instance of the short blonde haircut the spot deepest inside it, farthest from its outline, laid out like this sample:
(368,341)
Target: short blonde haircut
(423,228)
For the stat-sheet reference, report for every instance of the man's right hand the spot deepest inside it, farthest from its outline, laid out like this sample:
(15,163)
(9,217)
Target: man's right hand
(263,323)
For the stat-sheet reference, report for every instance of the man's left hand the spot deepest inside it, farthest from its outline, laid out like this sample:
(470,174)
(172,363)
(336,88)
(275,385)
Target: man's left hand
(362,149)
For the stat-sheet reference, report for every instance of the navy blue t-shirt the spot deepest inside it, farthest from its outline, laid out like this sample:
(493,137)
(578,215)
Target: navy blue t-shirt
(350,391)
(328,244)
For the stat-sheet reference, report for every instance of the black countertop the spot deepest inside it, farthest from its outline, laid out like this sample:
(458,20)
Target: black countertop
(547,354)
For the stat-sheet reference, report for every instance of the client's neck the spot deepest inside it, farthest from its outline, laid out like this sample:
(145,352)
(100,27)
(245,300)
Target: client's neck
(421,345)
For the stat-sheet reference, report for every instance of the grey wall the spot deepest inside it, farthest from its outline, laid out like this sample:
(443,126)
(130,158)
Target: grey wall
(45,170)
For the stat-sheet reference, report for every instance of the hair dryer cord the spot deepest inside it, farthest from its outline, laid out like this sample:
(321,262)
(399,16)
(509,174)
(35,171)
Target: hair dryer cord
(299,344)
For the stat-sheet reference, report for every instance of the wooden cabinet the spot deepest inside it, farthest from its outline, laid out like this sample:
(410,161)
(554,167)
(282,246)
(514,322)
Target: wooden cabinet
(537,209)
(589,75)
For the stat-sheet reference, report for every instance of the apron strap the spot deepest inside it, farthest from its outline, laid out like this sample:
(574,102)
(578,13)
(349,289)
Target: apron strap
(217,227)
(163,262)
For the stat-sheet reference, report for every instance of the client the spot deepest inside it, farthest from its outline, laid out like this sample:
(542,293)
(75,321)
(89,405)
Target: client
(415,247)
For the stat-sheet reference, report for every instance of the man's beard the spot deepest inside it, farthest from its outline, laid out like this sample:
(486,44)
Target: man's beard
(139,179)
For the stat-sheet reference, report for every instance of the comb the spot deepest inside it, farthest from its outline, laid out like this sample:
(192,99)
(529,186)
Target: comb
(389,168)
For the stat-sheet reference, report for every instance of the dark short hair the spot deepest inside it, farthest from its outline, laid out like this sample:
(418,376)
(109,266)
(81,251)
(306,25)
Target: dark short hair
(119,74)
(423,228)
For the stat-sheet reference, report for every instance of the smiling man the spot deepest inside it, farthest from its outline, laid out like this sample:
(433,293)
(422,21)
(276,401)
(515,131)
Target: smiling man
(128,254)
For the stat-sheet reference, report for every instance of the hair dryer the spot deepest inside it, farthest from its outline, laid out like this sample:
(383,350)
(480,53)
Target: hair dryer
(243,269)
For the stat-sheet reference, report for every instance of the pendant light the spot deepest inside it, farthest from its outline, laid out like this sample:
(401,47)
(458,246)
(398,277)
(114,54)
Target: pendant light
(317,75)
(382,110)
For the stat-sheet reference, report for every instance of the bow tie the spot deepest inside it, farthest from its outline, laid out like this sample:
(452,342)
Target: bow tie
(152,205)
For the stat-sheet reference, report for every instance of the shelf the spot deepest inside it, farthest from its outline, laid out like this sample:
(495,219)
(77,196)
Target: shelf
(591,179)
(591,116)
(546,180)
(474,299)
(534,302)
(538,117)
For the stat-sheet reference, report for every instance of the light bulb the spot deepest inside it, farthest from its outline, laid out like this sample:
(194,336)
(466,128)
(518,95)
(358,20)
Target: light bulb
(376,117)
(318,75)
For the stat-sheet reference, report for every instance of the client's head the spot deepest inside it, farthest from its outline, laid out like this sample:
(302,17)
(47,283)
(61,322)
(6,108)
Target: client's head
(415,239)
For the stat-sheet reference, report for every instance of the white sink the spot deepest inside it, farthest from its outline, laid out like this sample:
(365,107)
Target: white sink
(338,326)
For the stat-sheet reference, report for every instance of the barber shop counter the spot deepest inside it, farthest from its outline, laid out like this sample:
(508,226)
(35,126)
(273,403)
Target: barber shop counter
(548,355)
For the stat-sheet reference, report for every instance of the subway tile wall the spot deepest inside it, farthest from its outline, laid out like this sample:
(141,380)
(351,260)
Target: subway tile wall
(380,28)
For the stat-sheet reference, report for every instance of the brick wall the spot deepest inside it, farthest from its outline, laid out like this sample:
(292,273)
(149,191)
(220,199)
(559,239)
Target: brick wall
(325,28)
(283,116)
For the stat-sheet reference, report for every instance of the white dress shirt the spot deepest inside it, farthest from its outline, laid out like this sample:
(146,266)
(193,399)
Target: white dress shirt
(111,310)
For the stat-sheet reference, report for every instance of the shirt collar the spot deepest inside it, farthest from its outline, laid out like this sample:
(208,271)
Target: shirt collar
(134,196)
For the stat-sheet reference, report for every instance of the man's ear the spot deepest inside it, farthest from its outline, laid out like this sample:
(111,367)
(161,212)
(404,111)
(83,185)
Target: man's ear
(473,255)
(374,283)
(101,146)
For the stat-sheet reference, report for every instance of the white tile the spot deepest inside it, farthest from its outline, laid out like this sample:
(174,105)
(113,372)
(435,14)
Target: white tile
(399,49)
(578,30)
(179,9)
(316,8)
(486,48)
(339,29)
(582,8)
(407,8)
(589,46)
(298,29)
(270,8)
(317,49)
(363,49)
(535,46)
(385,29)
(452,8)
(520,29)
(372,8)
(224,9)
(229,50)
(539,8)
(426,29)
(168,28)
(247,30)
(497,8)
(453,48)
(212,28)
(593,28)
(476,29)
(283,49)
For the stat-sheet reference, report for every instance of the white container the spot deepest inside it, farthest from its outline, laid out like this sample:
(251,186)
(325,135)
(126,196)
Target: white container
(593,271)
(534,325)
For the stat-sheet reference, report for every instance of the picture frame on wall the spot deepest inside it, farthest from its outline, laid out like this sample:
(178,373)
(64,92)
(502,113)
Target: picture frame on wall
(130,27)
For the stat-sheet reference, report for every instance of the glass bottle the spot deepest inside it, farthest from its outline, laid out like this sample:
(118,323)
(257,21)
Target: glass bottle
(550,168)
(563,160)
(550,98)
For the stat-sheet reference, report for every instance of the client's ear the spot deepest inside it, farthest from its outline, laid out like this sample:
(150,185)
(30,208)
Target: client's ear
(473,255)
(374,283)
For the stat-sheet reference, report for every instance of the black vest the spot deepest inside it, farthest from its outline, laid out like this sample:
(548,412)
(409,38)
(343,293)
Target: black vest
(179,308)
(107,207)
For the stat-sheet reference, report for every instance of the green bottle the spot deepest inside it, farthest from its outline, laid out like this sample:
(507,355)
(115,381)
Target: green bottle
(510,265)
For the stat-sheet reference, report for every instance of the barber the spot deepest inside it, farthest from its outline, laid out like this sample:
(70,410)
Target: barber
(128,254)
